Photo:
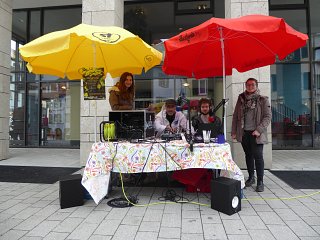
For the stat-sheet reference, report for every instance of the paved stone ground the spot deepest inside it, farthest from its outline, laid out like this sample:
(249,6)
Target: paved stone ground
(32,211)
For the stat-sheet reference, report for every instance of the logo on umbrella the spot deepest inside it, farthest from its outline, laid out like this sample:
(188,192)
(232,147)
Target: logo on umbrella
(148,60)
(107,37)
(187,37)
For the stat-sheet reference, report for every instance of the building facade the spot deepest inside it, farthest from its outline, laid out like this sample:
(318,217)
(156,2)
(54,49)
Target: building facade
(45,111)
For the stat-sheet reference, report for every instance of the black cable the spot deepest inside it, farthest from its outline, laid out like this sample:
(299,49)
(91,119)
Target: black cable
(169,195)
(120,202)
(137,182)
(165,150)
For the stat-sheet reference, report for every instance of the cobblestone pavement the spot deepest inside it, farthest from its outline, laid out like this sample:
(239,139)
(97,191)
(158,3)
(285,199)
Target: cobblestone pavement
(32,211)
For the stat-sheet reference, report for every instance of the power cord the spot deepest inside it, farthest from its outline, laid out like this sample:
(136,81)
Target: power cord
(172,197)
(169,195)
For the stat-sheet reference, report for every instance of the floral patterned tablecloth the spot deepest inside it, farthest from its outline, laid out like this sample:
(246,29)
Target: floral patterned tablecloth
(128,157)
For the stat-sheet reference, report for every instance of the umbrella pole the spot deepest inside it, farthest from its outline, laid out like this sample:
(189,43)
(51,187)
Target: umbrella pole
(95,101)
(223,81)
(95,121)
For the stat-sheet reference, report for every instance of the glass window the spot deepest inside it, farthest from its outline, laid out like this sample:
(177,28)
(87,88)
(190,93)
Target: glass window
(154,21)
(314,16)
(19,24)
(143,93)
(52,78)
(316,66)
(59,19)
(17,97)
(297,20)
(17,63)
(155,87)
(13,55)
(317,54)
(35,24)
(60,114)
(151,21)
(16,114)
(286,2)
(28,120)
(193,5)
(291,106)
(188,21)
(33,114)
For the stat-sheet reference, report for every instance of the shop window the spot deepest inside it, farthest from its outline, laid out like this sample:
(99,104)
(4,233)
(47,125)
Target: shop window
(273,82)
(285,2)
(187,7)
(306,81)
(202,87)
(164,83)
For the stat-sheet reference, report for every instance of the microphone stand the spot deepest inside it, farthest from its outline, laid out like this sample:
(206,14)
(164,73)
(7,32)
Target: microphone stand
(190,134)
(221,103)
(187,101)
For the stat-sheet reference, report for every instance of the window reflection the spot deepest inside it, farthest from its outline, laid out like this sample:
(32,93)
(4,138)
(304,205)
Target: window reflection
(32,114)
(154,87)
(291,105)
(60,109)
(17,98)
(25,112)
(286,2)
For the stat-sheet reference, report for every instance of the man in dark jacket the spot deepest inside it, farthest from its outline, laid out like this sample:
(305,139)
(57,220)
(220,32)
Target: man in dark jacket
(207,116)
(251,117)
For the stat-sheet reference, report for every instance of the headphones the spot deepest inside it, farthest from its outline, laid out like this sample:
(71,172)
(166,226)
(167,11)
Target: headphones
(205,101)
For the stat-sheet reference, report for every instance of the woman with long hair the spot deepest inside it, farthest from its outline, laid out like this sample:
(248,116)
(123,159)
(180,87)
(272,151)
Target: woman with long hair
(122,94)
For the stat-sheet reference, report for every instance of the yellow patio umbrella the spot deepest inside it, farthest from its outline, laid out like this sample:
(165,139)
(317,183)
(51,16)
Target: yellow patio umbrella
(63,53)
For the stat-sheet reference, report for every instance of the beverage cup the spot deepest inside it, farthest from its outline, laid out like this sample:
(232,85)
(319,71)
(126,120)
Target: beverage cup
(206,136)
(221,139)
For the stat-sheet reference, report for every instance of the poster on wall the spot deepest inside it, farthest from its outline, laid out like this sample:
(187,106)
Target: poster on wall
(93,83)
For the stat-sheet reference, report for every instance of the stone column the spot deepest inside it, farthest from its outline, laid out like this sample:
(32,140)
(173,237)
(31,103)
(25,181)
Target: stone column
(101,13)
(5,49)
(235,83)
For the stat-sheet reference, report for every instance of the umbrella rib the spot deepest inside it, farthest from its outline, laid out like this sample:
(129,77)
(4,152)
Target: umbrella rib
(233,35)
(66,69)
(131,53)
(105,64)
(262,43)
(195,62)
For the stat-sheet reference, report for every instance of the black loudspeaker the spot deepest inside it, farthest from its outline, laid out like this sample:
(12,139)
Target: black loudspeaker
(226,195)
(71,192)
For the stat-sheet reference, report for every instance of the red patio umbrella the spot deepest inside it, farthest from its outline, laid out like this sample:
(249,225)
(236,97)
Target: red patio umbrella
(242,43)
(216,46)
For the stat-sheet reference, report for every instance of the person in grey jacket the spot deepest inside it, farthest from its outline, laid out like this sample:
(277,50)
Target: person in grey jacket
(251,117)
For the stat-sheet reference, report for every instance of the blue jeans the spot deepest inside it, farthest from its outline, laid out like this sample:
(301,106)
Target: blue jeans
(254,155)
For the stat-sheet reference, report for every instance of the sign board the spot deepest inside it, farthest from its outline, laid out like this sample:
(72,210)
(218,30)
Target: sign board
(93,83)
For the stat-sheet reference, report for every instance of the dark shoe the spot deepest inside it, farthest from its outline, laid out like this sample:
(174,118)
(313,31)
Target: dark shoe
(260,187)
(250,181)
